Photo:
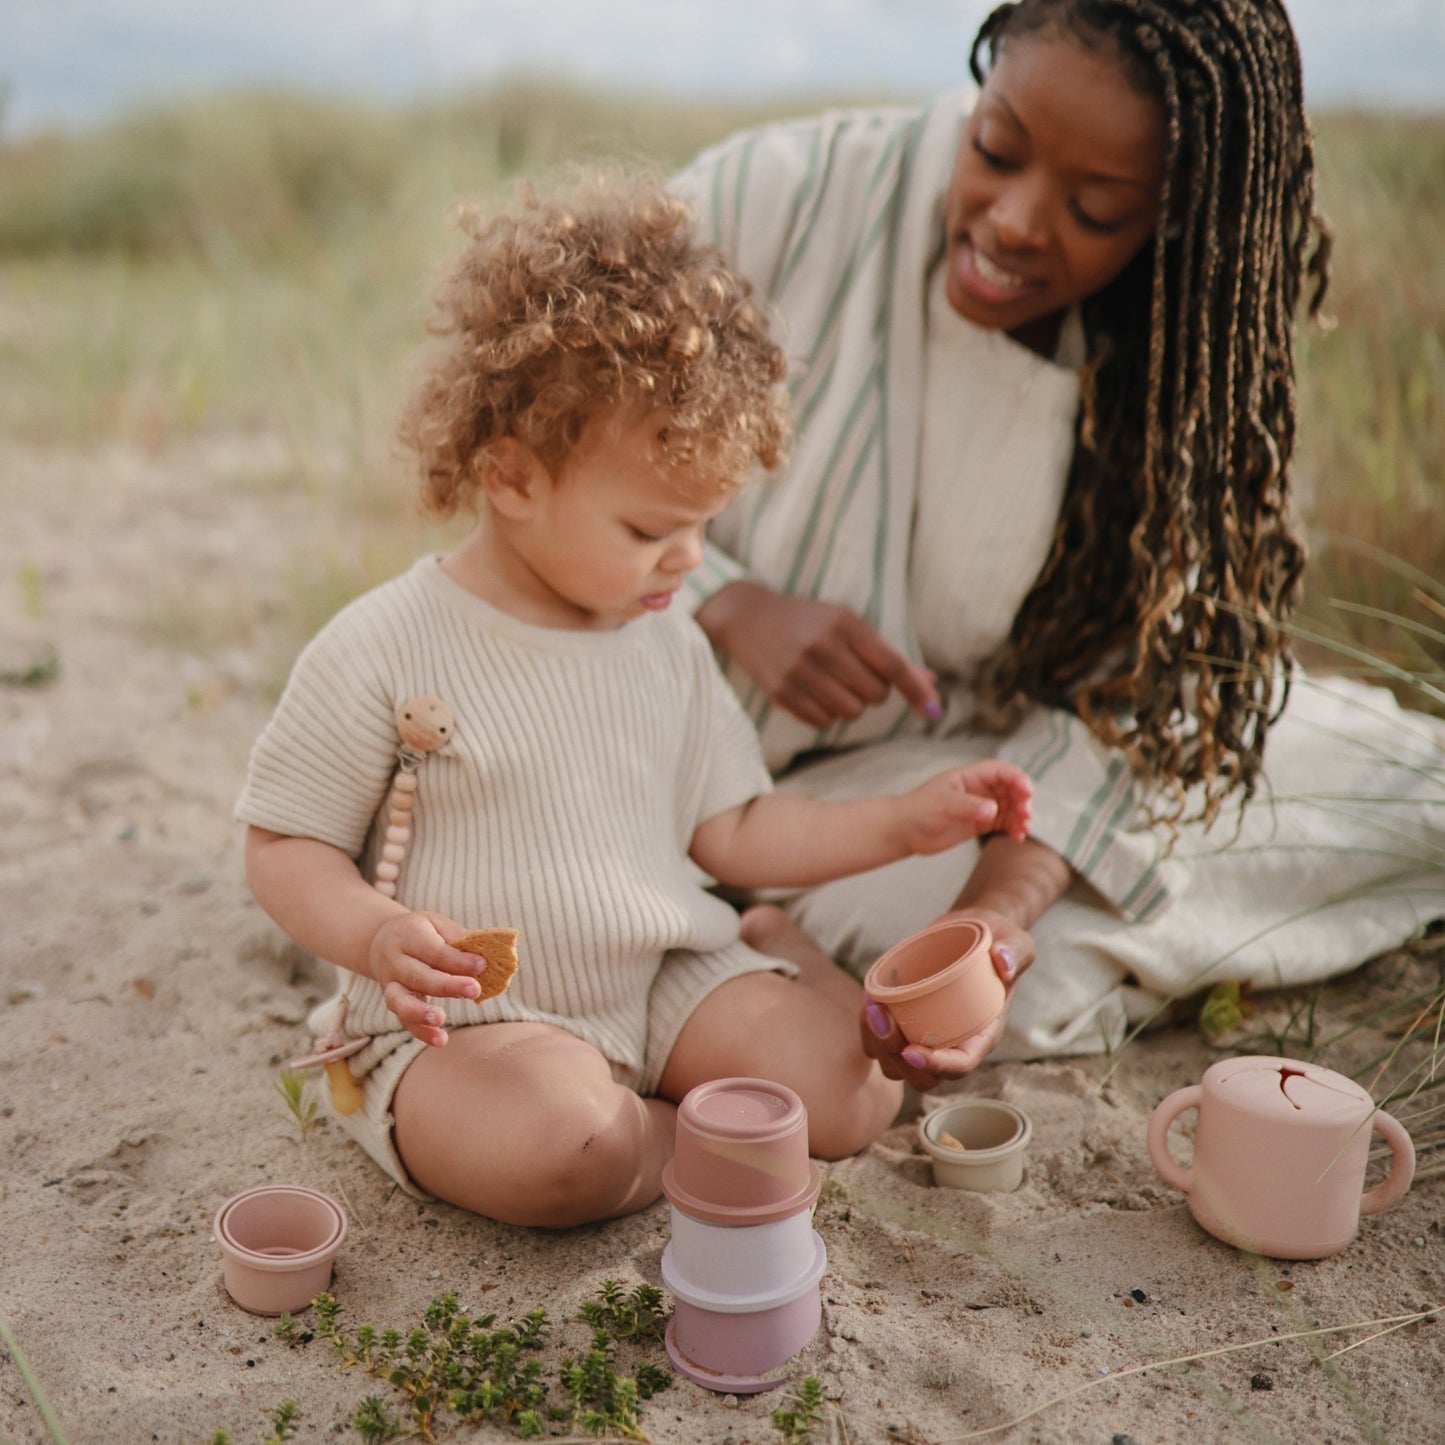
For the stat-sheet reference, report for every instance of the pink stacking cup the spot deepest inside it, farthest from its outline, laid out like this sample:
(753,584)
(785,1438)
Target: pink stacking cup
(742,1344)
(742,1154)
(278,1243)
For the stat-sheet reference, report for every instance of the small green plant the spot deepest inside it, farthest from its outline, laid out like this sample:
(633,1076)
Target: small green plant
(802,1411)
(294,1088)
(636,1315)
(283,1426)
(475,1371)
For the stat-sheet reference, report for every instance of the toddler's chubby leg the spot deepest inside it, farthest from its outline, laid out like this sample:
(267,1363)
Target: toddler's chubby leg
(524,1123)
(802,1033)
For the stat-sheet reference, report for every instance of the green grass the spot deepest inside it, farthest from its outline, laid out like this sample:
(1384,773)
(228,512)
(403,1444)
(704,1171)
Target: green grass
(260,265)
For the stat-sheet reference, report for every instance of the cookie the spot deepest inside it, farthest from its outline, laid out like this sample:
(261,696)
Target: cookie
(499,947)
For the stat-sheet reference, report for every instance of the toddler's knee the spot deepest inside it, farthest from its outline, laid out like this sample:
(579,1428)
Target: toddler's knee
(846,1121)
(583,1172)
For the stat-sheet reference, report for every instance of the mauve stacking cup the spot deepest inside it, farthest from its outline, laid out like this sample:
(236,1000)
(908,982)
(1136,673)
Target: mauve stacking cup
(744,1262)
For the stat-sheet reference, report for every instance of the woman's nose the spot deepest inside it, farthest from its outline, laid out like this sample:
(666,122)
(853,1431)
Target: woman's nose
(1020,217)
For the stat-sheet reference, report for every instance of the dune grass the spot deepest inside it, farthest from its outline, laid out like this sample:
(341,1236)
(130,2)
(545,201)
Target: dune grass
(260,264)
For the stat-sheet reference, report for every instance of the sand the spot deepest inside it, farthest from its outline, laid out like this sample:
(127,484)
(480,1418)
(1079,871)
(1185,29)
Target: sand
(148,1005)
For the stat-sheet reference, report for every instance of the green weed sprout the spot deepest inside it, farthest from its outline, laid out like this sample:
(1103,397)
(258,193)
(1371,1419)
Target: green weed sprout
(796,1418)
(638,1315)
(294,1089)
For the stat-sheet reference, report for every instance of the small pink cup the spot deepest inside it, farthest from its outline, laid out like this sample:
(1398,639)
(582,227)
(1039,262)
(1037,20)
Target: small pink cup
(278,1244)
(742,1346)
(939,984)
(742,1153)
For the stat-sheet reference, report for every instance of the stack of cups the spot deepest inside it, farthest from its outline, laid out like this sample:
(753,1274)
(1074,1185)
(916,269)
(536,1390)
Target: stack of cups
(744,1261)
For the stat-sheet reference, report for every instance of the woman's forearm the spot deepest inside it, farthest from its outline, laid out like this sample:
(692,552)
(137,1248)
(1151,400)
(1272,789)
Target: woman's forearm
(1019,880)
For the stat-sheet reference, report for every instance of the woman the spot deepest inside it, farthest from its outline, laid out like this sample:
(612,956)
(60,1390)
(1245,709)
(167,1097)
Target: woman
(1043,378)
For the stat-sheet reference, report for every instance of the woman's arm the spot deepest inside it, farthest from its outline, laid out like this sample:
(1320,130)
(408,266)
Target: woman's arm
(318,896)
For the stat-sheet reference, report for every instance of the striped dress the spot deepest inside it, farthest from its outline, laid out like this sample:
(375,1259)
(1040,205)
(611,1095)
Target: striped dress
(921,493)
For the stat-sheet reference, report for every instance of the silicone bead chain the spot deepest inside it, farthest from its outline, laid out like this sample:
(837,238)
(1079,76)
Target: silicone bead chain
(426,726)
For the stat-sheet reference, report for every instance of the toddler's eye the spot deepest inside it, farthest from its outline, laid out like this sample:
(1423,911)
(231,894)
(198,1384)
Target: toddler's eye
(643,536)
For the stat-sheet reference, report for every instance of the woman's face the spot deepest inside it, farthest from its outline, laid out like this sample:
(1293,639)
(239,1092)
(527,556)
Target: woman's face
(1056,186)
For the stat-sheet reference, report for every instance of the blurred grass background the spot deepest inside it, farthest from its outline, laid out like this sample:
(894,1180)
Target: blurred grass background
(258,266)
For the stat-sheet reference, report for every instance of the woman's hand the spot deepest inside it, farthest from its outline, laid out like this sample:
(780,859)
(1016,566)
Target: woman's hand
(1012,952)
(413,963)
(819,661)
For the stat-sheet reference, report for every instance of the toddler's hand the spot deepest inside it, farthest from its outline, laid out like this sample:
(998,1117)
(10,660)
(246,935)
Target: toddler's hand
(414,965)
(961,803)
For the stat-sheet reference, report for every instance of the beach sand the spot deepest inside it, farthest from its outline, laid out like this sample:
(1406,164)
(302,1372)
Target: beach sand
(149,1004)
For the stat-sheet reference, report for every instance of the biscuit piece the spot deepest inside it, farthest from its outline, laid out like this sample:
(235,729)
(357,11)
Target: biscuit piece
(499,947)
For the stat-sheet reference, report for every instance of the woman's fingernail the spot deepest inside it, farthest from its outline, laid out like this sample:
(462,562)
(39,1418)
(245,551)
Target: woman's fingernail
(1006,957)
(933,708)
(914,1058)
(878,1020)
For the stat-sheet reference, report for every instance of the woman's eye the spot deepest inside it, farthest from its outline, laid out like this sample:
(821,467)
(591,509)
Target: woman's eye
(992,159)
(1093,223)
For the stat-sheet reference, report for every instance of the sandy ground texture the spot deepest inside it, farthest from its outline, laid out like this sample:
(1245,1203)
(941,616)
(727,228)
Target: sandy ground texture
(148,1004)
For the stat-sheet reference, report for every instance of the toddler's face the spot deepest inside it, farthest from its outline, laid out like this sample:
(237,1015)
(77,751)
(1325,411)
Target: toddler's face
(614,534)
(1056,185)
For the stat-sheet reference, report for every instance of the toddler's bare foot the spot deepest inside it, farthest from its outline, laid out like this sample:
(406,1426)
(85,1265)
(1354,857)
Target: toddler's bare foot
(768,929)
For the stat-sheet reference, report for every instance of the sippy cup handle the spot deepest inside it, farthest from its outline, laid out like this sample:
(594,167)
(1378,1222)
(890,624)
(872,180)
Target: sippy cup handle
(1402,1167)
(1163,1116)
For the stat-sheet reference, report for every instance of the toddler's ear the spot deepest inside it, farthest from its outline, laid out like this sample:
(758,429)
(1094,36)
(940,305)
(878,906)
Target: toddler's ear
(512,476)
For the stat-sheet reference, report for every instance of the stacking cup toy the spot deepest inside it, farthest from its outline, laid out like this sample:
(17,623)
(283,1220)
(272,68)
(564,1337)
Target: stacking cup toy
(994,1136)
(939,984)
(742,1153)
(278,1243)
(744,1262)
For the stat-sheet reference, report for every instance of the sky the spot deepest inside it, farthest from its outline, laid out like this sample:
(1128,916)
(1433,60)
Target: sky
(77,62)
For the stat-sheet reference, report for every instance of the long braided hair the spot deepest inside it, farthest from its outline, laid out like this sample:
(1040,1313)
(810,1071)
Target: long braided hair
(1159,614)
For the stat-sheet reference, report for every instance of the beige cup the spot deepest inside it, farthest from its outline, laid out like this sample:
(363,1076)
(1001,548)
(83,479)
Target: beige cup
(994,1135)
(1279,1155)
(939,984)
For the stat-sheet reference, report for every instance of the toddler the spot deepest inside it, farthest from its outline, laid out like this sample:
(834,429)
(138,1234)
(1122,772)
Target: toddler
(603,385)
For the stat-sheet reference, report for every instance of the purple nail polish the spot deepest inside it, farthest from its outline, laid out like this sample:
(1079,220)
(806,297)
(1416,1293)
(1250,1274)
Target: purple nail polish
(933,708)
(878,1019)
(914,1058)
(1006,957)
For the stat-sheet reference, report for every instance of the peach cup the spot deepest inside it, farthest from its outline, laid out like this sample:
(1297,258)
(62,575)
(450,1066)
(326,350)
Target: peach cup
(939,984)
(278,1244)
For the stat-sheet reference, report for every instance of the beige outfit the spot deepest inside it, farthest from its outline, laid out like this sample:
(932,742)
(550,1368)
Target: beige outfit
(563,805)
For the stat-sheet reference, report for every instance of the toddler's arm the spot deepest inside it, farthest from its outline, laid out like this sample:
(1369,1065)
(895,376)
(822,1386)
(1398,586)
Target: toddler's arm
(787,840)
(317,894)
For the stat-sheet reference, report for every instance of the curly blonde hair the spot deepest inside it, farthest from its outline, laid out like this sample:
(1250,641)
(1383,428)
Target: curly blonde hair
(566,308)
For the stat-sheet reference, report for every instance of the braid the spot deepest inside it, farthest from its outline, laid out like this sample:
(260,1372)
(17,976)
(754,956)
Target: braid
(1159,614)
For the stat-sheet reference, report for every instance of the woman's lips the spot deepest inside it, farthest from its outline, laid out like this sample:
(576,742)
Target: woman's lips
(985,278)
